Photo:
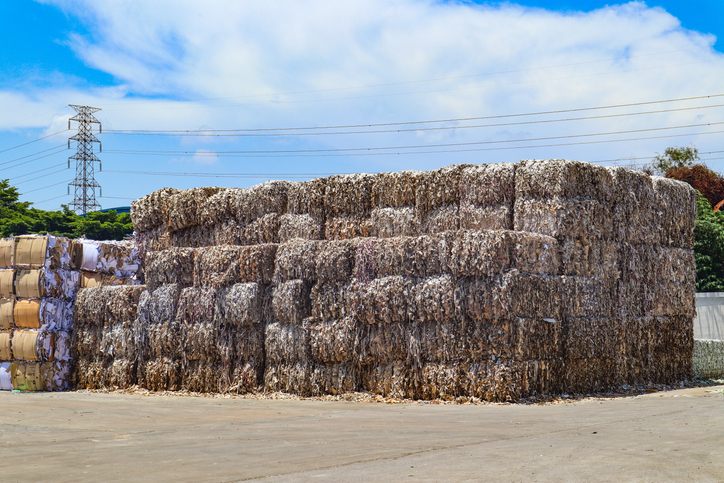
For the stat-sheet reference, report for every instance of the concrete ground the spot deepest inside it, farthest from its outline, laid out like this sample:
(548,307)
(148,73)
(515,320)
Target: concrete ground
(674,436)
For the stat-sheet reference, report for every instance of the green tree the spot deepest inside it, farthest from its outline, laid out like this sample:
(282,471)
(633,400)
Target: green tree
(680,157)
(709,247)
(20,218)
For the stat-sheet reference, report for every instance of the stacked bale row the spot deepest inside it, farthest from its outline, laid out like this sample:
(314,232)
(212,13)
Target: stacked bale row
(415,284)
(338,207)
(38,283)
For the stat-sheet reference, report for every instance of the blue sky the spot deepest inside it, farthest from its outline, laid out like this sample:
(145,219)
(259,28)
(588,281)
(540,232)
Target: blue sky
(180,65)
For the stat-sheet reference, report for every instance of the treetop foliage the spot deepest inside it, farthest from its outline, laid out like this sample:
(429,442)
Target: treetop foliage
(20,218)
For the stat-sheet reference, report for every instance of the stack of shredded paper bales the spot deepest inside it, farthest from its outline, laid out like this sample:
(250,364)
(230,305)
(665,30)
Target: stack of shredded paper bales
(496,281)
(39,279)
(38,283)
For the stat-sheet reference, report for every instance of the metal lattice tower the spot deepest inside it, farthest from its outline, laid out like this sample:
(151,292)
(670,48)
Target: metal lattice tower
(85,183)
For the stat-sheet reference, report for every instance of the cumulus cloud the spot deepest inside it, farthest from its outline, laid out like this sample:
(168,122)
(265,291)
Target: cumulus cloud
(218,64)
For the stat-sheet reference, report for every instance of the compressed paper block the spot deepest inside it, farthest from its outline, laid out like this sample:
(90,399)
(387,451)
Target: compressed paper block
(304,226)
(151,211)
(291,301)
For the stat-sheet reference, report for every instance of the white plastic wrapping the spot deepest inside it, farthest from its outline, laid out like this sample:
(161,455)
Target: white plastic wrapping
(6,383)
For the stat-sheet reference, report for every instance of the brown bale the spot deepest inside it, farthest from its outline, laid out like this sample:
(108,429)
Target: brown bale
(242,304)
(117,342)
(332,341)
(186,208)
(334,379)
(486,218)
(476,253)
(246,378)
(440,219)
(676,203)
(161,375)
(634,207)
(488,185)
(163,339)
(90,309)
(193,237)
(408,256)
(122,301)
(583,258)
(437,189)
(589,296)
(335,260)
(439,381)
(159,305)
(227,232)
(395,190)
(296,259)
(172,266)
(151,211)
(200,376)
(286,344)
(291,301)
(122,374)
(196,305)
(302,226)
(349,194)
(198,341)
(221,206)
(257,263)
(330,301)
(390,222)
(264,229)
(562,179)
(432,299)
(307,198)
(383,343)
(383,300)
(511,295)
(262,200)
(394,380)
(86,342)
(217,266)
(346,227)
(564,218)
(292,378)
(593,338)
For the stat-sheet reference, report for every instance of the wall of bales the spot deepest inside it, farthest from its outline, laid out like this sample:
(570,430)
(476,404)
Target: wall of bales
(494,281)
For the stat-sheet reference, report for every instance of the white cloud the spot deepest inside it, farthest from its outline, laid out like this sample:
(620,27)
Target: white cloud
(285,62)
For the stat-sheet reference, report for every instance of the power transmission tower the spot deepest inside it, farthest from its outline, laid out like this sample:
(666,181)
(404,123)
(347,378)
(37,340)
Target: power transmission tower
(85,183)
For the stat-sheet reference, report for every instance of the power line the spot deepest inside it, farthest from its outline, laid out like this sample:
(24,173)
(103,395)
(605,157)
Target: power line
(46,187)
(37,158)
(438,151)
(31,155)
(430,121)
(45,175)
(416,146)
(33,141)
(215,133)
(208,174)
(30,173)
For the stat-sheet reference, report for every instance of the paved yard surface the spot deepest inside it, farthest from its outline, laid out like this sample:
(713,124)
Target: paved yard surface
(677,435)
